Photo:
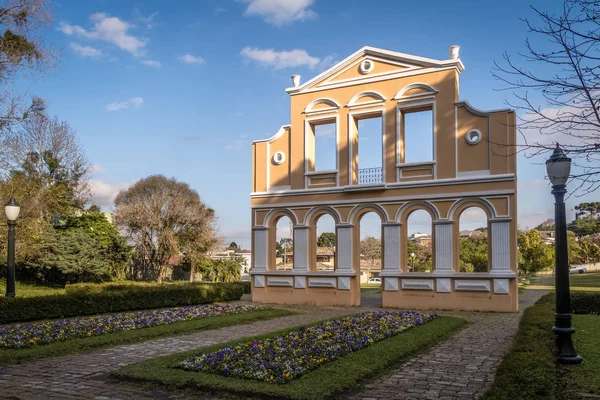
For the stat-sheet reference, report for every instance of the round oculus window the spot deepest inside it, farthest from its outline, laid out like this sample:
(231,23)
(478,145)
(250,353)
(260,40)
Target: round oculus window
(366,66)
(278,157)
(473,137)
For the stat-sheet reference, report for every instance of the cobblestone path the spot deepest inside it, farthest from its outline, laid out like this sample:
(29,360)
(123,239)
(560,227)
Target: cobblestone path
(87,376)
(462,367)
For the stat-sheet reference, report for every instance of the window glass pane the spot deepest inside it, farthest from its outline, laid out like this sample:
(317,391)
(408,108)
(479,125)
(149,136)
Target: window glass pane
(325,149)
(418,136)
(369,143)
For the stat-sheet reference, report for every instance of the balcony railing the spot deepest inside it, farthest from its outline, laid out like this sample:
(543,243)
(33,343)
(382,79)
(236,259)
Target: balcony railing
(369,176)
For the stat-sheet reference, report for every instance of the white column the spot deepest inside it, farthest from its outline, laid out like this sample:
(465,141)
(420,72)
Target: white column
(301,248)
(500,247)
(344,248)
(261,251)
(443,247)
(391,247)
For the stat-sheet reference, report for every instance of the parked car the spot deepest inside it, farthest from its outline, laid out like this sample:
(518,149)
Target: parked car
(374,280)
(578,270)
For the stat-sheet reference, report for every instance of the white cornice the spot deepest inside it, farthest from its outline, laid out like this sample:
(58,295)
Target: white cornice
(387,54)
(394,185)
(280,132)
(481,113)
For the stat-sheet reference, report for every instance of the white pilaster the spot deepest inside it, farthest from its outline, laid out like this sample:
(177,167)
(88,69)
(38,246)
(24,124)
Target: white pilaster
(500,247)
(391,247)
(344,247)
(261,251)
(301,248)
(443,247)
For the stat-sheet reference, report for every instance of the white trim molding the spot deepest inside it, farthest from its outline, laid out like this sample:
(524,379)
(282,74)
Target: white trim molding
(417,284)
(481,113)
(333,106)
(373,53)
(467,285)
(417,85)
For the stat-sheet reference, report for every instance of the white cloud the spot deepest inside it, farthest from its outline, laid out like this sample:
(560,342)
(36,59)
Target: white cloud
(147,21)
(278,12)
(152,63)
(86,51)
(190,59)
(111,30)
(103,194)
(135,102)
(280,59)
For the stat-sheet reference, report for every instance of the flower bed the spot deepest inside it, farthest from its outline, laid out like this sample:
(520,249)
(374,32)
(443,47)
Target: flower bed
(36,333)
(284,358)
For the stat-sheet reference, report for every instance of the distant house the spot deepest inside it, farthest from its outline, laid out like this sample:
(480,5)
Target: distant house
(547,236)
(472,234)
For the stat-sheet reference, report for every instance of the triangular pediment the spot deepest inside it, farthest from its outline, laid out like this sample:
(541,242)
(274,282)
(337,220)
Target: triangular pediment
(369,64)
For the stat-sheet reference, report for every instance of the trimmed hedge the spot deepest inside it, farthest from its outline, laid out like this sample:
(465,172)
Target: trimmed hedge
(247,287)
(585,303)
(89,300)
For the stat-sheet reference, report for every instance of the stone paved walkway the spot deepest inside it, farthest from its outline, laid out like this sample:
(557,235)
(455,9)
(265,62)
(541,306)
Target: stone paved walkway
(460,367)
(87,376)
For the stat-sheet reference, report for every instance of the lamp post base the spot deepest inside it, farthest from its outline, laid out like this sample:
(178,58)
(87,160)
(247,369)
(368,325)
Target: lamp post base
(565,353)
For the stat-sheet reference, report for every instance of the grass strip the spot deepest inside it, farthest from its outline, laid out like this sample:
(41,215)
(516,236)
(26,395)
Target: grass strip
(341,375)
(82,345)
(530,370)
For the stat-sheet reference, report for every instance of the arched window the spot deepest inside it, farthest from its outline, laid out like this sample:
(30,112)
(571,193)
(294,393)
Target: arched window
(473,240)
(284,245)
(325,243)
(419,243)
(371,249)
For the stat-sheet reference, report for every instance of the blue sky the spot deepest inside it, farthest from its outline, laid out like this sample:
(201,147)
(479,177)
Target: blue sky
(182,88)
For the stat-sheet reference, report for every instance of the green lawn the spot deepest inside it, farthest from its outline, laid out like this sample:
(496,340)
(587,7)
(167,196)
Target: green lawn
(32,290)
(530,371)
(135,336)
(588,282)
(336,377)
(370,287)
(586,377)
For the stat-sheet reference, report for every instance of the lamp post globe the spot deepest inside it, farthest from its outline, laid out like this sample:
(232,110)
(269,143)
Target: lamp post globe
(558,168)
(11,210)
(412,255)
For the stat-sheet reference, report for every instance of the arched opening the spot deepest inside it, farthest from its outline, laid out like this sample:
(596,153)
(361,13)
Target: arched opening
(325,238)
(371,258)
(283,245)
(473,240)
(419,243)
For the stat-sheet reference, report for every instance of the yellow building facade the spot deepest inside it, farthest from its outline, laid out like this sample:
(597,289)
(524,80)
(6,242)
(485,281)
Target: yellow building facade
(472,164)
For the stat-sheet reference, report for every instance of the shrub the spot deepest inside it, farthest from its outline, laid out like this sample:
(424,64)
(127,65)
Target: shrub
(585,303)
(247,287)
(107,298)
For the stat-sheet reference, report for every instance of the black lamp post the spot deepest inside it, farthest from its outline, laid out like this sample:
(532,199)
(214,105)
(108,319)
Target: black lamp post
(11,209)
(412,255)
(558,167)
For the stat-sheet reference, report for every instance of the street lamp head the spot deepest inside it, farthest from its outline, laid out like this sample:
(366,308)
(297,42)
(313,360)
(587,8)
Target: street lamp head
(412,255)
(558,167)
(12,209)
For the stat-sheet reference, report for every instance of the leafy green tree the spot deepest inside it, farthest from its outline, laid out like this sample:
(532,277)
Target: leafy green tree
(326,239)
(222,269)
(473,255)
(423,257)
(113,247)
(73,256)
(535,255)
